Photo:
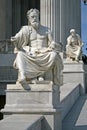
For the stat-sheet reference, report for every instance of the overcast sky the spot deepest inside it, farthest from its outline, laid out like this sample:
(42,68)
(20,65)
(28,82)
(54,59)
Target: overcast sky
(84,25)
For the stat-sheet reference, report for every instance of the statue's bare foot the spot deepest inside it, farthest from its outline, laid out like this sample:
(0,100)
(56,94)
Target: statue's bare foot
(24,84)
(40,78)
(77,60)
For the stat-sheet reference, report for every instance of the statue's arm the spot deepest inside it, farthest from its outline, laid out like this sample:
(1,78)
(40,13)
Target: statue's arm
(79,40)
(16,38)
(69,41)
(20,40)
(51,43)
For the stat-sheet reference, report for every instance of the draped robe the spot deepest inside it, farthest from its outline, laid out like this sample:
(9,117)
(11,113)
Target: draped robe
(33,64)
(74,47)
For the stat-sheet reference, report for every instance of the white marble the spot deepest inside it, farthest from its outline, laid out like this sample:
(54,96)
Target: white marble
(22,122)
(68,96)
(42,99)
(37,53)
(74,47)
(74,73)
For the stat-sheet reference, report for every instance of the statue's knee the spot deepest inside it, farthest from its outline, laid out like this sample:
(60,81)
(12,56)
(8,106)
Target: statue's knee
(20,54)
(53,55)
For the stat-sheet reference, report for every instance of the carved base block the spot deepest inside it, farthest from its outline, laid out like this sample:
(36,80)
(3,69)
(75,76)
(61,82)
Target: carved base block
(43,96)
(74,73)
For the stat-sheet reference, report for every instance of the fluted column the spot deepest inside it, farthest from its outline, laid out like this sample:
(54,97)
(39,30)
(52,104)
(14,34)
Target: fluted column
(2,19)
(8,17)
(24,8)
(70,18)
(50,16)
(78,17)
(16,16)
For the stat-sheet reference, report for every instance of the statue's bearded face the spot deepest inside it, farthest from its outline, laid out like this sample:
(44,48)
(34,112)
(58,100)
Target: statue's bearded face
(73,34)
(34,19)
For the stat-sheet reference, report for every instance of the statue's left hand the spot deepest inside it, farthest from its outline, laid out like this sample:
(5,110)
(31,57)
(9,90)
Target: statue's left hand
(52,46)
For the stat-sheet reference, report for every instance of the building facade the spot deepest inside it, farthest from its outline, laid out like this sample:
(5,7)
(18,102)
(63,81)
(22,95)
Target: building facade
(59,15)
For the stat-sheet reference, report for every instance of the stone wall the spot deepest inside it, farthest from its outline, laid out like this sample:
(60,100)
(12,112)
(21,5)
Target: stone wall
(7,72)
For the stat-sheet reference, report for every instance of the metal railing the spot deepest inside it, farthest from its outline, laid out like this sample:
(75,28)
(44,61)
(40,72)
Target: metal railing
(6,46)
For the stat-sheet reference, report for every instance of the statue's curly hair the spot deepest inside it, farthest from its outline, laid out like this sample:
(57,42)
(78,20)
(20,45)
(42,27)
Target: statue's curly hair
(72,30)
(32,10)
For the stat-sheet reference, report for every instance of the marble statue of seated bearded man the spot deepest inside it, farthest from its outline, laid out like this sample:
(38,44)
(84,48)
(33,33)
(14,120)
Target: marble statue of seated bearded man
(74,47)
(36,52)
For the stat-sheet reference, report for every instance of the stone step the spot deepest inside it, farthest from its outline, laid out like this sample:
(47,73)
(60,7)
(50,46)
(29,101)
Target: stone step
(22,122)
(76,119)
(69,93)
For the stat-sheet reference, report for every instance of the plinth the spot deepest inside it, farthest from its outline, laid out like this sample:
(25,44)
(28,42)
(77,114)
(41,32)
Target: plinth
(74,73)
(43,98)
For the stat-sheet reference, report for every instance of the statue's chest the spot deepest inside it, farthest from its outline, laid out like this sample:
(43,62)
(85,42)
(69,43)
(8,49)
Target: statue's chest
(37,35)
(74,39)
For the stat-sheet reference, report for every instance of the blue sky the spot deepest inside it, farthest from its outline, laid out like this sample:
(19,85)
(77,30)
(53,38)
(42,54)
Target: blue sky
(84,25)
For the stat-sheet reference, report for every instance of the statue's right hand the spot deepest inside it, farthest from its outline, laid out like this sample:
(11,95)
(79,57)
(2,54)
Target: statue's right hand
(13,39)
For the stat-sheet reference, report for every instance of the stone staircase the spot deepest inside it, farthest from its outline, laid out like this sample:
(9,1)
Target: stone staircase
(22,122)
(70,93)
(76,119)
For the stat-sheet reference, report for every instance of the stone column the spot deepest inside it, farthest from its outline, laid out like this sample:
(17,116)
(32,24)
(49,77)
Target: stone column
(8,17)
(16,18)
(24,8)
(3,20)
(50,16)
(70,17)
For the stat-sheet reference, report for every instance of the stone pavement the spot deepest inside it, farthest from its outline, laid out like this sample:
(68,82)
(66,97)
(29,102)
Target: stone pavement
(77,117)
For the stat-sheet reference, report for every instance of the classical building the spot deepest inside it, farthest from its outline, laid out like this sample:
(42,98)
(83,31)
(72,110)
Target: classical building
(59,15)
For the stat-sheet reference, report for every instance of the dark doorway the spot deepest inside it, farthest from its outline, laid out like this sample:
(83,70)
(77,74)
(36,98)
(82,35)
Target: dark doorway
(19,10)
(2,103)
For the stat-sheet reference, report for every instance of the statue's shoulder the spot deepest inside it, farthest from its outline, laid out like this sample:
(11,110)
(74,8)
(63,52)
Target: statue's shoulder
(26,29)
(23,27)
(78,35)
(45,28)
(69,37)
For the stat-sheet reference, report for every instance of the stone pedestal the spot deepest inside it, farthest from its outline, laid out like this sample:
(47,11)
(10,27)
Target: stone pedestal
(74,73)
(42,99)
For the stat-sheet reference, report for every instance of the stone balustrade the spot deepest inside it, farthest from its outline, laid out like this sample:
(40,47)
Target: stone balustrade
(6,47)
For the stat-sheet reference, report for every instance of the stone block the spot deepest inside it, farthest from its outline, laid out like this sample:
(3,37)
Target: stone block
(22,122)
(42,98)
(70,92)
(74,73)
